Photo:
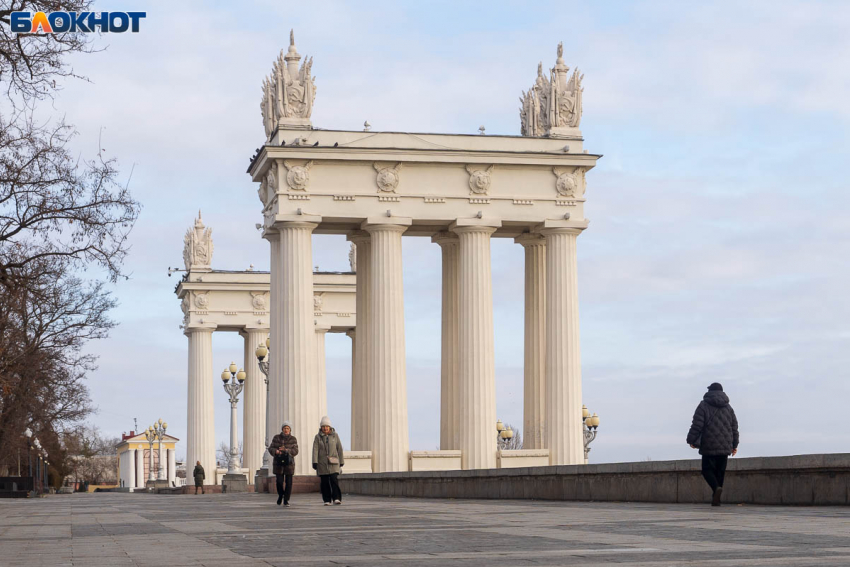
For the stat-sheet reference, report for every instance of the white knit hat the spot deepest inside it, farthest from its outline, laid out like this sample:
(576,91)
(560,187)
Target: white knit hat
(286,424)
(325,421)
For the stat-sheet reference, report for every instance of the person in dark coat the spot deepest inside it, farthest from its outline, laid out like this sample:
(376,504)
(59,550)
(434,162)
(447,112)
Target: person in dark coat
(199,475)
(328,460)
(283,448)
(714,431)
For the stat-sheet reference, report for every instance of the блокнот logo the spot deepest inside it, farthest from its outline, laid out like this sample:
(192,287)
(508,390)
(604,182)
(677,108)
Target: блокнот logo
(59,22)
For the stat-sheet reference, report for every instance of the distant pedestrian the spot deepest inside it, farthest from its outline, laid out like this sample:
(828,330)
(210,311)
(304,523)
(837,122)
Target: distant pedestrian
(199,475)
(714,431)
(284,447)
(328,460)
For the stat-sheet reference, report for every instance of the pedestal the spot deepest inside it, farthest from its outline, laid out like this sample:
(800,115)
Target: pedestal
(234,483)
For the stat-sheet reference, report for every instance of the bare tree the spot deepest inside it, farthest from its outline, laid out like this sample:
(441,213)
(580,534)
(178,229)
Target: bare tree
(59,216)
(91,456)
(223,453)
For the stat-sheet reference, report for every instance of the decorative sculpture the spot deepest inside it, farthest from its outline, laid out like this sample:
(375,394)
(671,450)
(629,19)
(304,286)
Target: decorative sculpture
(352,257)
(479,181)
(298,176)
(198,246)
(569,183)
(388,177)
(551,106)
(288,93)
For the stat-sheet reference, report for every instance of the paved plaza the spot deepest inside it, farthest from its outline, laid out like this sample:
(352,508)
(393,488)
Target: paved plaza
(248,529)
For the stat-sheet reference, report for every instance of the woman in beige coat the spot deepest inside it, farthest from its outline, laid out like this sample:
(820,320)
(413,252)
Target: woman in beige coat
(328,459)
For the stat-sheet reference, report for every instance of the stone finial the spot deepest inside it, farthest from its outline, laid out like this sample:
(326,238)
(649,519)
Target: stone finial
(198,247)
(553,106)
(288,93)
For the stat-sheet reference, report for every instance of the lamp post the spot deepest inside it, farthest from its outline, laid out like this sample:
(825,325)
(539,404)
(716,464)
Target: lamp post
(37,444)
(158,429)
(262,353)
(504,435)
(233,383)
(28,435)
(590,422)
(149,435)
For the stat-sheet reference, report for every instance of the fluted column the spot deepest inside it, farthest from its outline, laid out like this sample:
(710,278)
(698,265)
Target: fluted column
(172,467)
(360,376)
(140,468)
(321,370)
(563,359)
(200,426)
(389,431)
(450,359)
(477,375)
(254,410)
(275,403)
(294,397)
(131,468)
(534,389)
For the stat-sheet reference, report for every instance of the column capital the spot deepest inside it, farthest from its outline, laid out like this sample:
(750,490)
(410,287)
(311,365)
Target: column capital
(530,239)
(200,328)
(445,237)
(550,226)
(395,224)
(358,237)
(254,329)
(322,328)
(488,226)
(296,221)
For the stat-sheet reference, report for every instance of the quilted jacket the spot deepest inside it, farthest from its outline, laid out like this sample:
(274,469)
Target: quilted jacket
(289,444)
(714,428)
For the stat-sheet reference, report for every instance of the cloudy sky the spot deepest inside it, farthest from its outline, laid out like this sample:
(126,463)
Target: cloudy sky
(719,236)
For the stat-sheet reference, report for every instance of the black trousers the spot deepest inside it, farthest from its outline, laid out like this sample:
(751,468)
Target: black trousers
(714,470)
(330,487)
(286,492)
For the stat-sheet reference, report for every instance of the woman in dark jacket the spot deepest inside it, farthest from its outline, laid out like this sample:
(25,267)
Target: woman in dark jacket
(284,447)
(199,475)
(328,460)
(714,431)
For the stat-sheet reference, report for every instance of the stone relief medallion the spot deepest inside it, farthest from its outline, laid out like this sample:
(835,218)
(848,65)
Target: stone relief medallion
(388,177)
(258,301)
(568,184)
(479,181)
(202,301)
(298,176)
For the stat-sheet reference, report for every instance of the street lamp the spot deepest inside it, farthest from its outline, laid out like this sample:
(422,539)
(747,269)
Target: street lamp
(151,437)
(262,353)
(503,435)
(591,422)
(158,430)
(233,383)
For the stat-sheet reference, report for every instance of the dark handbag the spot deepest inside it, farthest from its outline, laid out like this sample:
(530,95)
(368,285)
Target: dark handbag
(283,460)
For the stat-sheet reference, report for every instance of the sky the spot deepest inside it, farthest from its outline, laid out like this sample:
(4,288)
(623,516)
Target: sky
(719,235)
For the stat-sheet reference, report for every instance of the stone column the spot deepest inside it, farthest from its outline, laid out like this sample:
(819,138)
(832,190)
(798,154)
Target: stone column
(477,376)
(140,468)
(321,371)
(534,390)
(563,360)
(450,357)
(294,397)
(254,410)
(131,468)
(162,472)
(200,427)
(361,391)
(389,431)
(172,467)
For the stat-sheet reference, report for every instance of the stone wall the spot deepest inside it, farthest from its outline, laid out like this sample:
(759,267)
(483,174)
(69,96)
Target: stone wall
(800,480)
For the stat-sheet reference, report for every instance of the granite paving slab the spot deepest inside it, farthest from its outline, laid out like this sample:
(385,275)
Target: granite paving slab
(119,529)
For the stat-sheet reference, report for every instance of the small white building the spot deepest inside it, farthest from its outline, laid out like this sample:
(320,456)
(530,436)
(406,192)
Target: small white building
(135,459)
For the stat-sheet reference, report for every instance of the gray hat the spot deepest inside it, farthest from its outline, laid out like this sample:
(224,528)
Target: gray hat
(286,424)
(325,421)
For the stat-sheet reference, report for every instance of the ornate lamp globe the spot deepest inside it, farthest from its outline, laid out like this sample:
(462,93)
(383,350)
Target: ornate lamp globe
(500,426)
(225,375)
(595,419)
(233,368)
(241,375)
(268,342)
(584,412)
(509,433)
(261,352)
